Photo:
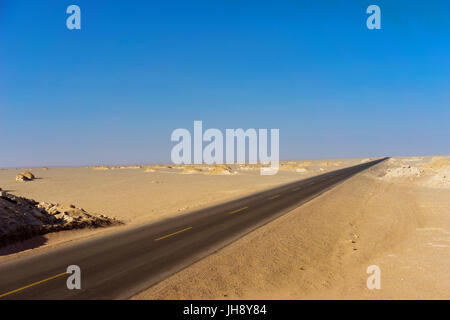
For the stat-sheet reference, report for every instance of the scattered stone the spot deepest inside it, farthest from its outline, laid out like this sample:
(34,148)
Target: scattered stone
(128,167)
(101,168)
(220,169)
(249,167)
(407,171)
(22,218)
(192,170)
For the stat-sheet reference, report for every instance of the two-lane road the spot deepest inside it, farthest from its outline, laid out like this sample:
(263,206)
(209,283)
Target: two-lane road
(121,264)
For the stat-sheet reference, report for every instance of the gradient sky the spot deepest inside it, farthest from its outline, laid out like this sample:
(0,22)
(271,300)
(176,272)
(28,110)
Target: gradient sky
(113,92)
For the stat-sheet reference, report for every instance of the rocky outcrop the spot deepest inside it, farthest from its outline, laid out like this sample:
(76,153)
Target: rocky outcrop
(433,173)
(22,218)
(25,176)
(403,171)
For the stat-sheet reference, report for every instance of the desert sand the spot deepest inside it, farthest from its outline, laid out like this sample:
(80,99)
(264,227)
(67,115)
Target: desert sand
(139,194)
(321,250)
(395,215)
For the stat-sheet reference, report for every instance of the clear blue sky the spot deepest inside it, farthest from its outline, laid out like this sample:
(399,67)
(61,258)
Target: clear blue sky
(114,91)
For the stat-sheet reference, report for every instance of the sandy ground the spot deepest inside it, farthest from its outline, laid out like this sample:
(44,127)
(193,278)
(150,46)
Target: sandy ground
(322,249)
(395,215)
(138,195)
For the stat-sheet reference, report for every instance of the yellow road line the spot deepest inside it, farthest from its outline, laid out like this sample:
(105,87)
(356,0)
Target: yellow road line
(238,210)
(274,197)
(172,234)
(32,284)
(296,189)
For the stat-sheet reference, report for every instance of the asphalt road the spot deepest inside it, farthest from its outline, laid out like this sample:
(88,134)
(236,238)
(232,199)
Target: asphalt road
(121,264)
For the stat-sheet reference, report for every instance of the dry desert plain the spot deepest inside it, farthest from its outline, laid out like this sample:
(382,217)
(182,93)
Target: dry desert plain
(395,215)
